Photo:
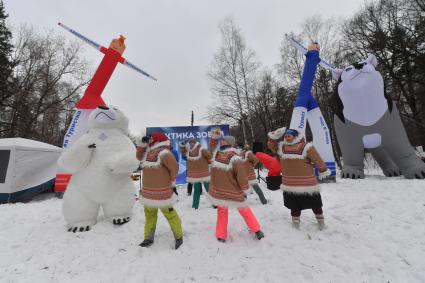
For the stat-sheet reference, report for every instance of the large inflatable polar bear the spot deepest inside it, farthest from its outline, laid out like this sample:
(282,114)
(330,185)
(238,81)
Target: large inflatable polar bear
(101,162)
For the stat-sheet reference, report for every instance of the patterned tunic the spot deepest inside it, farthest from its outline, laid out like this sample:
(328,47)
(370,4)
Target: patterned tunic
(198,159)
(229,180)
(160,169)
(297,162)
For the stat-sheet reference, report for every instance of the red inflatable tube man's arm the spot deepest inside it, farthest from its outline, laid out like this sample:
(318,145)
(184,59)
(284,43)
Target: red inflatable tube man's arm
(92,96)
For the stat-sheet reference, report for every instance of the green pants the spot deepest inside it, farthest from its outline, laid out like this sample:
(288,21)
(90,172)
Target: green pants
(151,217)
(197,193)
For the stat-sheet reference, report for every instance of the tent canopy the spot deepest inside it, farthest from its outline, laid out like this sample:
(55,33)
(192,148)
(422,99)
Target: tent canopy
(27,167)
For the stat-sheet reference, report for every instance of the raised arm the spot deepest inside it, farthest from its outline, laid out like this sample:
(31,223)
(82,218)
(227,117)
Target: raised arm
(140,151)
(274,138)
(251,158)
(216,135)
(207,154)
(78,155)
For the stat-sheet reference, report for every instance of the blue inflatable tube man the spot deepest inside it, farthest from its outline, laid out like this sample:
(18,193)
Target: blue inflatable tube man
(307,109)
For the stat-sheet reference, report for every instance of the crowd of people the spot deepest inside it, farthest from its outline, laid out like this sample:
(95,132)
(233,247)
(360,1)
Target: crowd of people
(226,170)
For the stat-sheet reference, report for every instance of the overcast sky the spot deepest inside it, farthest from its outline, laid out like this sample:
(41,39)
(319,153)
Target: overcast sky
(174,40)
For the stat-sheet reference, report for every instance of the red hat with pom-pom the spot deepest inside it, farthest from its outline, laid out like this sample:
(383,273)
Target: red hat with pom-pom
(158,137)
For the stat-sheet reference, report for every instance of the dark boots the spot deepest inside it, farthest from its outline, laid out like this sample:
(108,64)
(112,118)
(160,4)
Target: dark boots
(179,242)
(146,243)
(259,235)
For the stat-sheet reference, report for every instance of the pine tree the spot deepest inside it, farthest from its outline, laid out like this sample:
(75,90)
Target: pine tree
(5,50)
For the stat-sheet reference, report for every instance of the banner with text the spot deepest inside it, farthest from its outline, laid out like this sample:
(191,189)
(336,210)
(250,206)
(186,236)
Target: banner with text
(179,134)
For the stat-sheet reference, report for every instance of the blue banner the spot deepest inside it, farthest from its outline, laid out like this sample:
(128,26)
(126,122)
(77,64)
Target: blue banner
(179,134)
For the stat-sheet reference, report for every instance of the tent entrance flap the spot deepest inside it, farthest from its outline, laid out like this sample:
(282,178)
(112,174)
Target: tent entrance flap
(4,164)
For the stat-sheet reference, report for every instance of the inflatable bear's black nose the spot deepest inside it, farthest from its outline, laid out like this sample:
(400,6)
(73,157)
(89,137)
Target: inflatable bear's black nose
(103,107)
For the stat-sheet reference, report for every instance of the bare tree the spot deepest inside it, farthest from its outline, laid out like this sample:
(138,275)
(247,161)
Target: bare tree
(327,32)
(264,100)
(233,74)
(49,75)
(394,31)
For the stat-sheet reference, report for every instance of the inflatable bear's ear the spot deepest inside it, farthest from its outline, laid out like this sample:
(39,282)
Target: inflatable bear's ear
(336,74)
(372,60)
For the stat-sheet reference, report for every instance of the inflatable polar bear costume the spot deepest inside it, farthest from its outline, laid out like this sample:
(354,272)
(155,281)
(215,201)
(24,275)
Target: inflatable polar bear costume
(101,162)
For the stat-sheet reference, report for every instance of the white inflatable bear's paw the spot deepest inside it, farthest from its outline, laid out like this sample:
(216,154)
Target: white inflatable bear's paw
(79,228)
(120,220)
(353,173)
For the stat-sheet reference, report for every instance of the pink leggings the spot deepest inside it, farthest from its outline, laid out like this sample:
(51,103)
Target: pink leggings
(223,216)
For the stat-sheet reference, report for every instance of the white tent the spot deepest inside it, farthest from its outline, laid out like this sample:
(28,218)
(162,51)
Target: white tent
(27,167)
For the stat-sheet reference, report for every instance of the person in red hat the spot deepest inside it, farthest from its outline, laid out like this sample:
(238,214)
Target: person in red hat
(160,170)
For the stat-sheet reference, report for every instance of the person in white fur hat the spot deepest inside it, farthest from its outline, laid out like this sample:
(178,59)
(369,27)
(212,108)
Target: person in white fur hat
(299,184)
(228,188)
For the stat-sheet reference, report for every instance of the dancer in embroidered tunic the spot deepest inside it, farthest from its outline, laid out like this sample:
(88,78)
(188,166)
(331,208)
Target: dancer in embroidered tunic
(250,161)
(198,159)
(160,169)
(229,185)
(299,184)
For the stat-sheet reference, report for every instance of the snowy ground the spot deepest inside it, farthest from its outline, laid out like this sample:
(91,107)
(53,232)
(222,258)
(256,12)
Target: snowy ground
(375,233)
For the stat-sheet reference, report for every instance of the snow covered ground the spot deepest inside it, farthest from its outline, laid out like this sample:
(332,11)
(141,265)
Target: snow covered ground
(375,233)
